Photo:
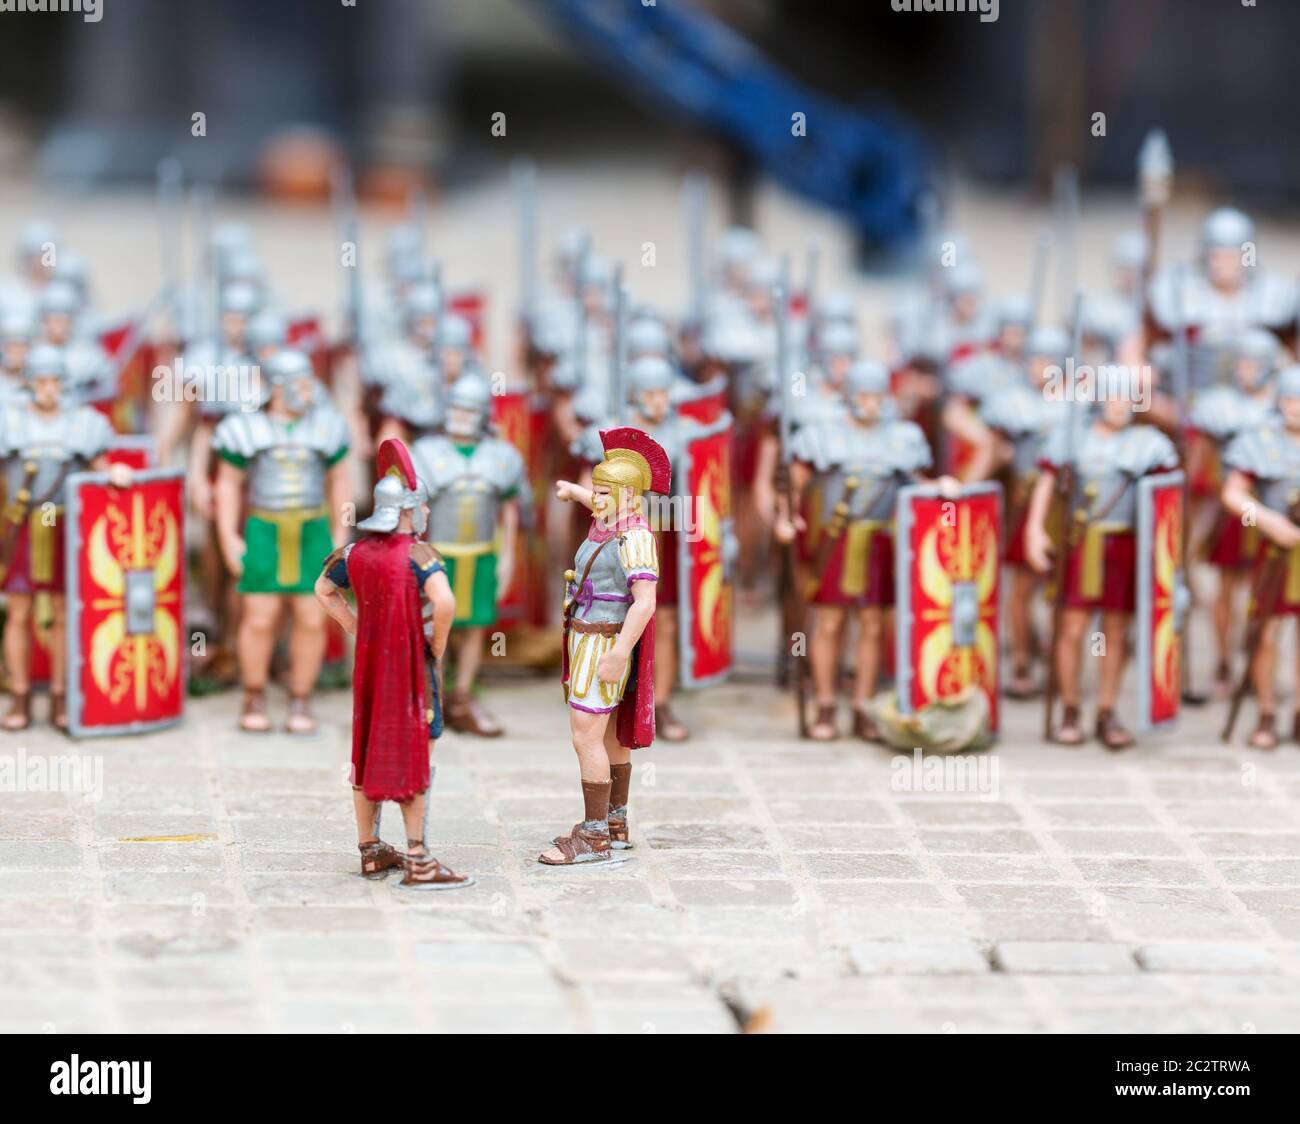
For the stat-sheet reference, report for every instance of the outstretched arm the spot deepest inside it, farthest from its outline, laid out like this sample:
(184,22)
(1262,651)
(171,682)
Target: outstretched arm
(573,493)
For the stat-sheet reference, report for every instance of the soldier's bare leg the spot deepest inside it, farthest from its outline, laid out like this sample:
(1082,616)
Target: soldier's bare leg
(1224,602)
(17,645)
(306,654)
(464,714)
(589,743)
(1074,624)
(1114,628)
(824,658)
(261,612)
(1261,674)
(667,724)
(58,661)
(1020,684)
(871,635)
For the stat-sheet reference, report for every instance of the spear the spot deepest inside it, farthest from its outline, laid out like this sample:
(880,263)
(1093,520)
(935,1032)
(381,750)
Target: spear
(170,222)
(618,407)
(791,599)
(695,199)
(526,185)
(1155,186)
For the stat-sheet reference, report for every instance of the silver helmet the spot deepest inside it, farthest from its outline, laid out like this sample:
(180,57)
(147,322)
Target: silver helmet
(1226,227)
(266,329)
(649,373)
(45,361)
(471,394)
(1288,382)
(285,369)
(398,489)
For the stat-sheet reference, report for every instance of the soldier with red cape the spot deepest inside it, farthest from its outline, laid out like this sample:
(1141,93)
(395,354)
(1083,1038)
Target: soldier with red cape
(395,701)
(609,639)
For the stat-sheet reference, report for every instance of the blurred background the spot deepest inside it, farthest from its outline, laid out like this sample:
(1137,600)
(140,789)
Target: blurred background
(617,99)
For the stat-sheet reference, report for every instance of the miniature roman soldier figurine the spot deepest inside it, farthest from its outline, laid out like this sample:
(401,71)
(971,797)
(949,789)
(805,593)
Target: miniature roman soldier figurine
(1219,414)
(851,470)
(1100,569)
(292,455)
(609,640)
(42,442)
(1018,417)
(395,689)
(648,387)
(1263,487)
(477,484)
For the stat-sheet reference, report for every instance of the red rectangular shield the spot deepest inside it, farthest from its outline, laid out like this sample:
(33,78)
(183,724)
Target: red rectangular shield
(125,603)
(1162,600)
(512,414)
(138,451)
(947,558)
(706,403)
(705,557)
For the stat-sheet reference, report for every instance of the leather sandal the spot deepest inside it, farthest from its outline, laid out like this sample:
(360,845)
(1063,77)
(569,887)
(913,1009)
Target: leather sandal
(580,846)
(1070,731)
(19,716)
(668,726)
(1265,735)
(1111,732)
(423,872)
(864,726)
(253,718)
(378,858)
(465,716)
(301,721)
(59,711)
(1021,684)
(825,717)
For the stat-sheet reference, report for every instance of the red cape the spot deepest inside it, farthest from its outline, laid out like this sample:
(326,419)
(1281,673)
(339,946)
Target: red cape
(390,729)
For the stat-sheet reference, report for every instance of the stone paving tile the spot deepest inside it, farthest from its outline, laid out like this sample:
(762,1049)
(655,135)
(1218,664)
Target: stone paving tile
(1062,956)
(1149,892)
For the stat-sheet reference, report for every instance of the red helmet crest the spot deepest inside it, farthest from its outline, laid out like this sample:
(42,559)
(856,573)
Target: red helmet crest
(649,450)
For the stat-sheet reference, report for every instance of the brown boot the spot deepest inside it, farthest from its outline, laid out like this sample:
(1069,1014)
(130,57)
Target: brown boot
(620,784)
(465,716)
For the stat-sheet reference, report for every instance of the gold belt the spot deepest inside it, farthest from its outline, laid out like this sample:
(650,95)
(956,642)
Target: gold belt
(1094,556)
(40,545)
(463,585)
(288,538)
(857,551)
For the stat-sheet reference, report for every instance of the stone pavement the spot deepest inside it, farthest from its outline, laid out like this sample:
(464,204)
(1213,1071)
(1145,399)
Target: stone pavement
(774,885)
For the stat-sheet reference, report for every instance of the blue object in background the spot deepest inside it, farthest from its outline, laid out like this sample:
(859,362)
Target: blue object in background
(866,166)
